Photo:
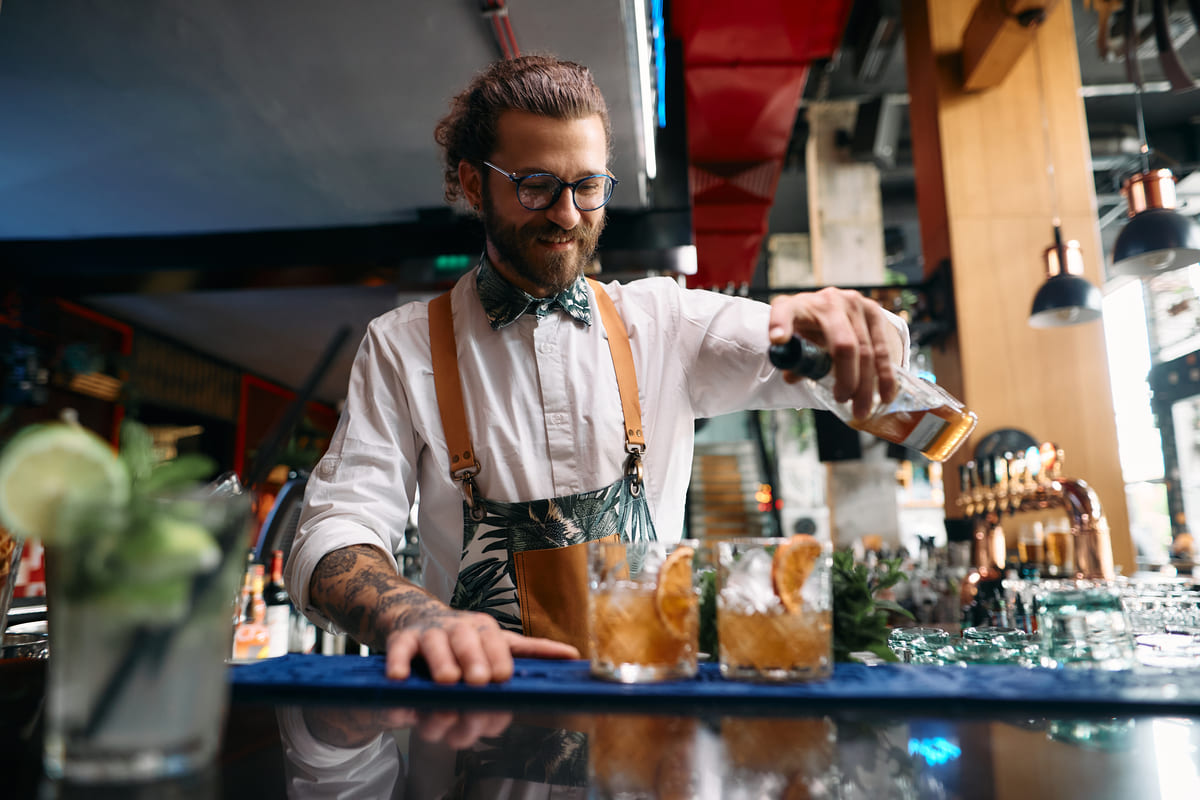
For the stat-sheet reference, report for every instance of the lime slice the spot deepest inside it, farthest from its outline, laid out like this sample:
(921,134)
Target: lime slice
(48,466)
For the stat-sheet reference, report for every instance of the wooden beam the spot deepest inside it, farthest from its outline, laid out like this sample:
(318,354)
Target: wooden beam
(998,32)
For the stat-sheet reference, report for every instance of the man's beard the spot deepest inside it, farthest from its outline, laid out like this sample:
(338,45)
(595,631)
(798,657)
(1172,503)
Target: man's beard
(518,247)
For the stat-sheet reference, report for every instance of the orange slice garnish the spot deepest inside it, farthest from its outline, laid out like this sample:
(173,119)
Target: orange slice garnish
(794,561)
(674,598)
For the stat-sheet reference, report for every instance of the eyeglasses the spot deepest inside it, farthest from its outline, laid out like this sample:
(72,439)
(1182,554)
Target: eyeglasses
(541,190)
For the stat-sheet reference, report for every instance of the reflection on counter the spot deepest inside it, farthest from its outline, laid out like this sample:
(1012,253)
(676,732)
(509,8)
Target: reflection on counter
(408,753)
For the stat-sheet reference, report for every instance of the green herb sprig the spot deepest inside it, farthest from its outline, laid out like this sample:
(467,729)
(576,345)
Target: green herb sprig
(860,617)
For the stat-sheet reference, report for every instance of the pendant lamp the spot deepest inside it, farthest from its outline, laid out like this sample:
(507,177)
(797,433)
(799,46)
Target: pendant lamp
(1157,238)
(1065,298)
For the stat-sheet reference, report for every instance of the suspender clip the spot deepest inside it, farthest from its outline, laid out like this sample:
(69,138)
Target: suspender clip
(633,469)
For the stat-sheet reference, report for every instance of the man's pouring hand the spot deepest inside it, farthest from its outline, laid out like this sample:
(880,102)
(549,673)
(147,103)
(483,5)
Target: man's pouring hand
(856,333)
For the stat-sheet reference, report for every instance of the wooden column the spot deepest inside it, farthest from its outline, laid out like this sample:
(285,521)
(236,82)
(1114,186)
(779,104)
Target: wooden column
(986,203)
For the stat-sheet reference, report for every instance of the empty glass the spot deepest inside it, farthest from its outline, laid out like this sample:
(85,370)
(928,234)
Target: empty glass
(1084,626)
(907,642)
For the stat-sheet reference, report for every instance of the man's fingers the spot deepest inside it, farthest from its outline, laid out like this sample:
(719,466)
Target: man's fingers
(469,652)
(531,647)
(401,647)
(496,651)
(439,656)
(885,371)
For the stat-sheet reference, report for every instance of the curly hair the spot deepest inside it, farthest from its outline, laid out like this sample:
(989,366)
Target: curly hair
(538,84)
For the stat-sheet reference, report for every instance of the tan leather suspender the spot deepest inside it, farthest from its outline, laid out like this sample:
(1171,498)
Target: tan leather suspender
(448,385)
(622,357)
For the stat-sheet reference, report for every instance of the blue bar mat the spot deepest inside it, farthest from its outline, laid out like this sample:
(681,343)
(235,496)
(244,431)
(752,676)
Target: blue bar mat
(316,678)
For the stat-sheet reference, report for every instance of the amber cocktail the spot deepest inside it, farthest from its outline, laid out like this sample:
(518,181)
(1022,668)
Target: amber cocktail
(774,609)
(643,610)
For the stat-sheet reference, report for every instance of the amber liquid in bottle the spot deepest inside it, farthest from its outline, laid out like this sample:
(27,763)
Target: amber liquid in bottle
(922,416)
(900,427)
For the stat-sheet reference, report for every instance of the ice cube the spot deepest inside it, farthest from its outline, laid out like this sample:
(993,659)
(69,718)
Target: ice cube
(748,586)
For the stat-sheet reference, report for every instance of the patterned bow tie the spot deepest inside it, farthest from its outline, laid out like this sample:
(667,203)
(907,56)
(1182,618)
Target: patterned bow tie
(504,303)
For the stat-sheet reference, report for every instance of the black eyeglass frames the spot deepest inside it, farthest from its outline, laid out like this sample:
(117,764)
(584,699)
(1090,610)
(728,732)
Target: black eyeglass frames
(541,190)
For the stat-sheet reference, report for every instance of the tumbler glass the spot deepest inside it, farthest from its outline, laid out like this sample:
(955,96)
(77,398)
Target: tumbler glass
(136,681)
(774,609)
(1085,626)
(643,610)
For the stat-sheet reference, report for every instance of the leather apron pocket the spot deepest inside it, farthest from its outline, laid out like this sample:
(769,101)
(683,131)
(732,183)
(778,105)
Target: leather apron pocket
(552,587)
(526,563)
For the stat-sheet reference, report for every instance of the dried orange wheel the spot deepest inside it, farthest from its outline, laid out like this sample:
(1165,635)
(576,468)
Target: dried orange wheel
(674,598)
(794,562)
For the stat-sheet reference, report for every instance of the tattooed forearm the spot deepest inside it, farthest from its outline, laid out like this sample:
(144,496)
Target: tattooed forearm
(358,589)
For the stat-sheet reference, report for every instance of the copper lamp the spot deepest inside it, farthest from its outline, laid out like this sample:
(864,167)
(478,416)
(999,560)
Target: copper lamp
(1157,238)
(1066,298)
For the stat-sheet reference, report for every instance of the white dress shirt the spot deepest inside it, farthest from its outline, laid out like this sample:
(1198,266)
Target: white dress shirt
(543,413)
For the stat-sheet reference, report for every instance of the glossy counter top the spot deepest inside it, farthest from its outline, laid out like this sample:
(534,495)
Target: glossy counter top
(328,727)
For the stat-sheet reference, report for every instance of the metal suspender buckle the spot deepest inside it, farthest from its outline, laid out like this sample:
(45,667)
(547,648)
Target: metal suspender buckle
(633,470)
(466,479)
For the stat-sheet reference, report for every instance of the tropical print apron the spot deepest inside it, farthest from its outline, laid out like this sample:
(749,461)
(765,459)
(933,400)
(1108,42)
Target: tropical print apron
(525,563)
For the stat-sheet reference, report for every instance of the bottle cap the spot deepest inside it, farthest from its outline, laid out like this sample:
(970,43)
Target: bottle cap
(802,357)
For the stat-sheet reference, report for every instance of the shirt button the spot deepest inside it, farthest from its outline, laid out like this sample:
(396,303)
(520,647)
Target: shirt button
(546,347)
(559,419)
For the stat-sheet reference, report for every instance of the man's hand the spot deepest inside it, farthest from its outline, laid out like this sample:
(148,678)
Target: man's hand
(358,588)
(466,646)
(863,343)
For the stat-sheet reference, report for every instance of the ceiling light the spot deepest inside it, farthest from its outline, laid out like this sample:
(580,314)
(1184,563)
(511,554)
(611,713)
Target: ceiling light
(1157,238)
(1066,298)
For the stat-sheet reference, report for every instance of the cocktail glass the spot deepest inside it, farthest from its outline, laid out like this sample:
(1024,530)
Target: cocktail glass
(1085,626)
(643,610)
(774,609)
(139,621)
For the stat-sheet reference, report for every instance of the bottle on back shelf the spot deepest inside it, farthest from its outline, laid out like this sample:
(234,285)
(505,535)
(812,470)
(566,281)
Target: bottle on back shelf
(922,416)
(279,608)
(250,640)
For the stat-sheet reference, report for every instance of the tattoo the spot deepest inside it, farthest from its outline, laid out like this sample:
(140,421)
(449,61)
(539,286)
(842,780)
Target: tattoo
(358,589)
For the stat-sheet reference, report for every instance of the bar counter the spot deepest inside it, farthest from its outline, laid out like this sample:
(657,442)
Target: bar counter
(332,726)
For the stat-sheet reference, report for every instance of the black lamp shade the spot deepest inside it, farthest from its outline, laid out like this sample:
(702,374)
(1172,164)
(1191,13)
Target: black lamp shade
(1065,299)
(1156,240)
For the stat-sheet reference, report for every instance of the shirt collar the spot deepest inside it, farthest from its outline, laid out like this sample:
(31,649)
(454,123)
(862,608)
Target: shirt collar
(504,303)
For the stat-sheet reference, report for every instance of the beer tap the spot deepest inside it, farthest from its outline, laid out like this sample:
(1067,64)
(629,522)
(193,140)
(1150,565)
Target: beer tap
(1089,529)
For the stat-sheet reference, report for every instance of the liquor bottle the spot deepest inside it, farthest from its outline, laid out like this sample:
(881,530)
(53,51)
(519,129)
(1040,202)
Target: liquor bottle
(922,416)
(258,604)
(279,608)
(241,603)
(250,639)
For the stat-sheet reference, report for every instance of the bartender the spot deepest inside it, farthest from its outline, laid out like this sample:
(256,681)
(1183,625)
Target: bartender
(533,410)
